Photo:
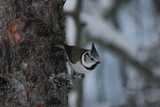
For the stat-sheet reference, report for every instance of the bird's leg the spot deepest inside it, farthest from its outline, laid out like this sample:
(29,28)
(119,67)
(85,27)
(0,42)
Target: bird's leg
(76,75)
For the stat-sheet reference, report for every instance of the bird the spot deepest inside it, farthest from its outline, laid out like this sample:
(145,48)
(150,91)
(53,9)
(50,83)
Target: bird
(81,60)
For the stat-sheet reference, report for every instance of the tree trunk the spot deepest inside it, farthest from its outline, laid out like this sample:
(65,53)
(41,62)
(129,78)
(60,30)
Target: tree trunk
(28,65)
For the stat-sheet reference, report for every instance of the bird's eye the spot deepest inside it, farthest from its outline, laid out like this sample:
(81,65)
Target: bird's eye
(92,59)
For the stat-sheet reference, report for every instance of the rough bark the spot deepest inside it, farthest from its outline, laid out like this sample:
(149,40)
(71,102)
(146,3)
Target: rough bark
(28,65)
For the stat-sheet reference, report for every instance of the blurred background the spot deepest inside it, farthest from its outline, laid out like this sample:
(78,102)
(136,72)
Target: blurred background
(126,34)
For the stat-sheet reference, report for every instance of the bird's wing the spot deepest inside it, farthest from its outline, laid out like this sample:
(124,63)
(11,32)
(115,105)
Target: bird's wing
(74,53)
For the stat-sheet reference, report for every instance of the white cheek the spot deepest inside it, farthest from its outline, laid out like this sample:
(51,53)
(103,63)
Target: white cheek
(88,65)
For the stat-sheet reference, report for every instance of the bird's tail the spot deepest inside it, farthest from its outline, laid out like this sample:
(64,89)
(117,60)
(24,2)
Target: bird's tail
(58,46)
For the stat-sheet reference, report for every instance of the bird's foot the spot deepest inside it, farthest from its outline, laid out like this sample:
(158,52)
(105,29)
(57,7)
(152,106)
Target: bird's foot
(78,75)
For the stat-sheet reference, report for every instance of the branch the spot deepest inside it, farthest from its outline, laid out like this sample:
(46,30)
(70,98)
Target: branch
(79,27)
(121,53)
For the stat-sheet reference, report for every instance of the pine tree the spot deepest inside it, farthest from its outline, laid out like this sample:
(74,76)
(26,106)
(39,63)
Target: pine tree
(28,64)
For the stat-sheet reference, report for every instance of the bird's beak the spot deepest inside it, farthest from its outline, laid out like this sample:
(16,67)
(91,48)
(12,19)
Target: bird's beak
(98,62)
